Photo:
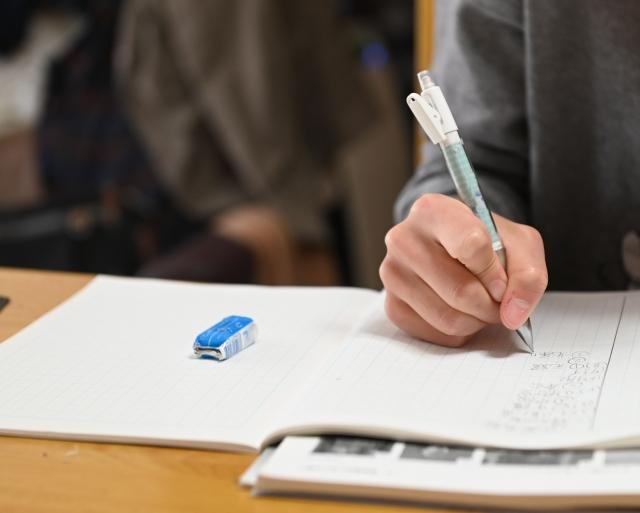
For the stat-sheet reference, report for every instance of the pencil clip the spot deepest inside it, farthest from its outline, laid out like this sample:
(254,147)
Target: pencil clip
(428,117)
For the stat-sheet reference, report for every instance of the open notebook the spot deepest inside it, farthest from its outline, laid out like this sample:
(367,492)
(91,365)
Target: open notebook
(113,363)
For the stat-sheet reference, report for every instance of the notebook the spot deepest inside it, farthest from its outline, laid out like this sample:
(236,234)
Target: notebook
(113,363)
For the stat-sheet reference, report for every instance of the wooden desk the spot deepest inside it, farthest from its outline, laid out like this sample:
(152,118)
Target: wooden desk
(54,476)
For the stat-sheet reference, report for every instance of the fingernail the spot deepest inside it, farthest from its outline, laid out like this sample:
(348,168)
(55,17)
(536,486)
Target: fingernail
(516,312)
(497,288)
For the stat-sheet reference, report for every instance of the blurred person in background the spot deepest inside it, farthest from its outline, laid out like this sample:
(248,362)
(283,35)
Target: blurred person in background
(78,193)
(201,154)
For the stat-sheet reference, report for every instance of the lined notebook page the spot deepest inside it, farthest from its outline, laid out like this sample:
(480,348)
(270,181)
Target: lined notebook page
(493,391)
(113,362)
(619,408)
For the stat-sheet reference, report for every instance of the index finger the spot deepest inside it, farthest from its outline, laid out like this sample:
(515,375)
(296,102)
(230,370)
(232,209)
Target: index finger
(527,271)
(463,236)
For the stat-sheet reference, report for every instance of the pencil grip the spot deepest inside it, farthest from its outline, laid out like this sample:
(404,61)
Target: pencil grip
(468,188)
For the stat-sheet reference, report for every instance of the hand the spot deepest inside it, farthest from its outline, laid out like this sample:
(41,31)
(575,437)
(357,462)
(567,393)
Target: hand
(266,233)
(443,280)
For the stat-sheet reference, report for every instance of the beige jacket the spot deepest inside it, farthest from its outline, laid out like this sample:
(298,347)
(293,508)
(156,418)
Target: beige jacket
(243,100)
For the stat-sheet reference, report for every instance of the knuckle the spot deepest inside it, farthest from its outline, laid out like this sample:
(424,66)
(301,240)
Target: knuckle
(474,244)
(386,272)
(531,234)
(421,205)
(390,238)
(426,205)
(394,238)
(461,292)
(391,275)
(449,322)
(534,279)
(404,246)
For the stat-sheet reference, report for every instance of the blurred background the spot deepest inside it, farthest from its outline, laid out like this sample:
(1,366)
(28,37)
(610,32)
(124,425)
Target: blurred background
(253,141)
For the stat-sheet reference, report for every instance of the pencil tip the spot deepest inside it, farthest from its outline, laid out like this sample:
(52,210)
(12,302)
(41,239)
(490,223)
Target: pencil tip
(525,332)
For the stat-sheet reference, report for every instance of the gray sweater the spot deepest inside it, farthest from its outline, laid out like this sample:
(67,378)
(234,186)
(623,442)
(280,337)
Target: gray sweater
(547,98)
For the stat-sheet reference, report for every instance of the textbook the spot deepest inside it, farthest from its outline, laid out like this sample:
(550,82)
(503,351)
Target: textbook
(114,363)
(458,475)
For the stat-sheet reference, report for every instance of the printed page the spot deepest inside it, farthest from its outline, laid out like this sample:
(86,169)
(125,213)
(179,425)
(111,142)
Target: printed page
(491,392)
(376,468)
(114,362)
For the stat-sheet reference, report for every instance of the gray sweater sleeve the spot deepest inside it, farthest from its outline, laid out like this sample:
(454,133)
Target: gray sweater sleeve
(479,64)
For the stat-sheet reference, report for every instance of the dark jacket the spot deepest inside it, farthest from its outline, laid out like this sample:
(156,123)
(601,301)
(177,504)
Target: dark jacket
(547,98)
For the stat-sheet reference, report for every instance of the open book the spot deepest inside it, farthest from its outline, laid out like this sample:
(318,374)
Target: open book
(459,475)
(114,363)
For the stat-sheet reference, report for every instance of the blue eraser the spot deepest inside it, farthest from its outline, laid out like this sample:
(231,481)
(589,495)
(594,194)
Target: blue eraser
(226,338)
